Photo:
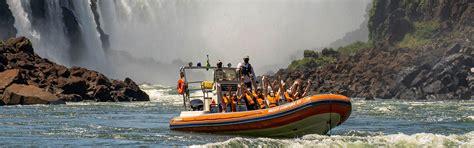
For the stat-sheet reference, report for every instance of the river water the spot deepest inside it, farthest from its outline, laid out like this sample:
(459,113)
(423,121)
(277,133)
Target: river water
(376,123)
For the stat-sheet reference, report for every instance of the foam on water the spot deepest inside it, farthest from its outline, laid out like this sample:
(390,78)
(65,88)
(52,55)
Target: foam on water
(393,140)
(379,123)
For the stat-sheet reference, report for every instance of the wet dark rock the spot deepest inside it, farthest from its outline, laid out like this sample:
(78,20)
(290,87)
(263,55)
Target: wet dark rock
(74,85)
(103,93)
(18,94)
(22,66)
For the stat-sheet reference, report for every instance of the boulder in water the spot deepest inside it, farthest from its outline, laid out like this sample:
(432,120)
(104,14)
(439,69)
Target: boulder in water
(18,94)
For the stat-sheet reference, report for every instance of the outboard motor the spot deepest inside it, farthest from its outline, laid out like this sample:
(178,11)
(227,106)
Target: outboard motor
(197,105)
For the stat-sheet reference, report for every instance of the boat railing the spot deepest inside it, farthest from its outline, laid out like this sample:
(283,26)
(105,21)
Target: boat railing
(207,89)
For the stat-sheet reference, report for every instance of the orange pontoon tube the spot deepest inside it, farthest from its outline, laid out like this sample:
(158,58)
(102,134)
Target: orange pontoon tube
(311,115)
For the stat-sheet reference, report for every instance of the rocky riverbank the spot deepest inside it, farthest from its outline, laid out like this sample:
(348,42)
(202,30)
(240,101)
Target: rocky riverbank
(418,50)
(26,78)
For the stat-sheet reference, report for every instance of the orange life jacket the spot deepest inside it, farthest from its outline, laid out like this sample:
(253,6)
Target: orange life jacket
(260,100)
(249,99)
(273,101)
(181,86)
(225,99)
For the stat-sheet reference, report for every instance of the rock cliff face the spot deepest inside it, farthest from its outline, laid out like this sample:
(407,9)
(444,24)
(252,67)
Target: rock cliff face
(422,49)
(391,20)
(20,65)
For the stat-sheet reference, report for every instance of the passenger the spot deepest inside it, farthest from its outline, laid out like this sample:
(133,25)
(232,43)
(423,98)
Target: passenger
(226,101)
(292,93)
(181,84)
(247,71)
(281,92)
(234,101)
(246,95)
(307,89)
(259,97)
(249,99)
(271,98)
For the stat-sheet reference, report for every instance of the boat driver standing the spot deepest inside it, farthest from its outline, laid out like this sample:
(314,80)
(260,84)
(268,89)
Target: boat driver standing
(247,72)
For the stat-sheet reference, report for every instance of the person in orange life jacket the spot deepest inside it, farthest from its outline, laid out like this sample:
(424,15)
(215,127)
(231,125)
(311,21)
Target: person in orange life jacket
(235,101)
(258,96)
(230,100)
(240,97)
(281,92)
(292,93)
(246,95)
(247,71)
(181,84)
(271,98)
(307,89)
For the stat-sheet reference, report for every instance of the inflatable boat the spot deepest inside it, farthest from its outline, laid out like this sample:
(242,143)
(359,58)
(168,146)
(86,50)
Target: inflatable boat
(310,115)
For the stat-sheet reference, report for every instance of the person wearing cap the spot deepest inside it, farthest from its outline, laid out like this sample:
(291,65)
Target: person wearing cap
(219,76)
(246,70)
(219,72)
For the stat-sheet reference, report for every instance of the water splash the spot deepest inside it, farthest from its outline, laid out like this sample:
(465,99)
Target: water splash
(393,140)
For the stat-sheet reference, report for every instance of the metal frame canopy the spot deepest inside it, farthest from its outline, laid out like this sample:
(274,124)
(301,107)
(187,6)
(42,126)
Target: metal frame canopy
(198,83)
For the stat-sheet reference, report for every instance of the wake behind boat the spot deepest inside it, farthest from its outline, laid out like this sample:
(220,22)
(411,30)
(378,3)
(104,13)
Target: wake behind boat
(315,114)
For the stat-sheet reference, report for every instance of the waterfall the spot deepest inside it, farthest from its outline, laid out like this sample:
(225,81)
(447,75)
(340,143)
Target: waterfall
(49,35)
(54,32)
(94,53)
(22,22)
(155,37)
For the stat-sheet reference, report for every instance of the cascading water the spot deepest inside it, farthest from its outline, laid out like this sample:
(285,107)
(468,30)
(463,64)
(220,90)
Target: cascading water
(22,22)
(90,36)
(165,34)
(49,34)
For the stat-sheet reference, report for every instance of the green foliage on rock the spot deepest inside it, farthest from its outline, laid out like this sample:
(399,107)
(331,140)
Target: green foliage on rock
(422,34)
(310,54)
(354,47)
(314,59)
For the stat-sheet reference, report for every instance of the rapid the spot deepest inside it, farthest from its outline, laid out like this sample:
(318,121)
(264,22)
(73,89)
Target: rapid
(376,123)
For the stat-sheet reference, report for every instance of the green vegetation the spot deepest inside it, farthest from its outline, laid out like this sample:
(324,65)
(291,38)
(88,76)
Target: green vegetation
(351,49)
(314,59)
(1,42)
(422,34)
